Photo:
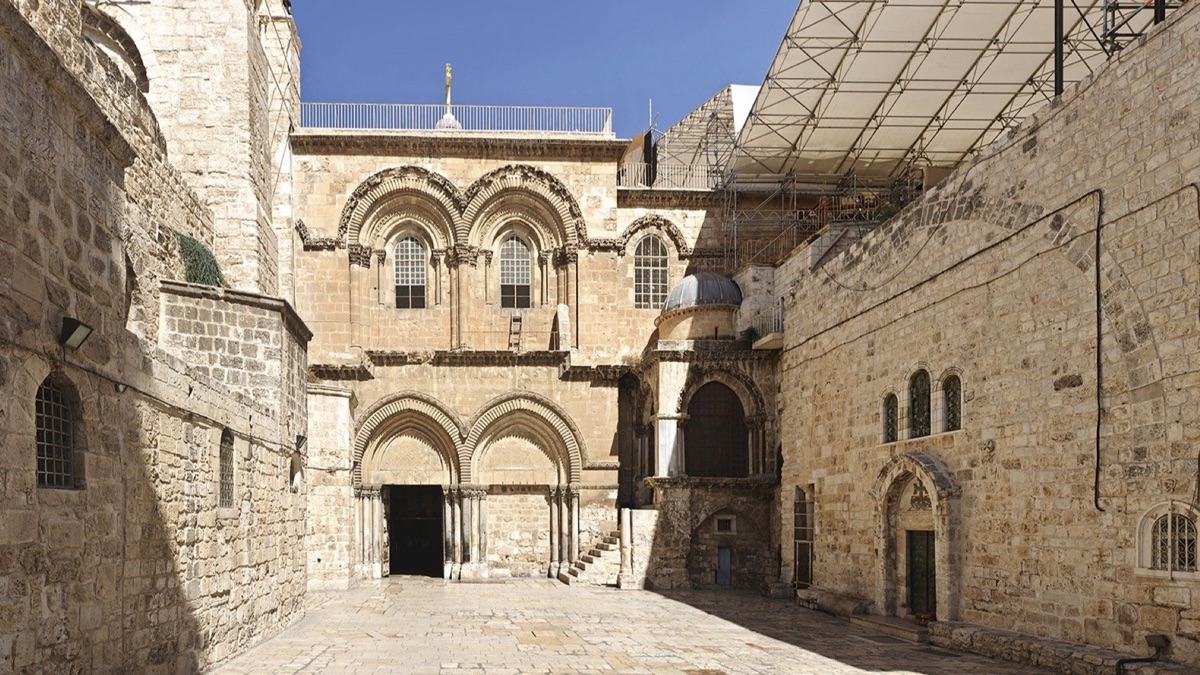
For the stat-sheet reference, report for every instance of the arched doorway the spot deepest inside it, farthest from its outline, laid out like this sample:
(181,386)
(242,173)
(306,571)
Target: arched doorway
(715,441)
(916,505)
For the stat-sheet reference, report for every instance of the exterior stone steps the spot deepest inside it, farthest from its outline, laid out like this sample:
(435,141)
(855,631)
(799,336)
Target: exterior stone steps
(598,567)
(893,626)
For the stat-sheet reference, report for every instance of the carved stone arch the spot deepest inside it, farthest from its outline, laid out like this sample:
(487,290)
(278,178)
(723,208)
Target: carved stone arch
(400,404)
(651,223)
(517,214)
(411,184)
(535,184)
(535,406)
(742,384)
(943,492)
(118,34)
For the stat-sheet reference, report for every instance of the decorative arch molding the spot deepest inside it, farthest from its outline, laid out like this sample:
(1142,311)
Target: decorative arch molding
(530,217)
(536,406)
(655,222)
(120,38)
(404,403)
(431,188)
(753,403)
(537,184)
(943,491)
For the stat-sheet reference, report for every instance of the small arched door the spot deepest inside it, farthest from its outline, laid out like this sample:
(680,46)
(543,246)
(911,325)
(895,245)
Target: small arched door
(715,444)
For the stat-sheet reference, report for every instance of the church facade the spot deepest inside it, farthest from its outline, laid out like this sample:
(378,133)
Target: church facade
(247,356)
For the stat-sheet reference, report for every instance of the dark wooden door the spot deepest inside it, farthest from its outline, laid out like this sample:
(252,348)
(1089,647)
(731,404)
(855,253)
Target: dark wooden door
(415,530)
(922,582)
(724,566)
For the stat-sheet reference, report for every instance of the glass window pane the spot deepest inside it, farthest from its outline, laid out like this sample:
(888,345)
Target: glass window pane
(650,273)
(918,405)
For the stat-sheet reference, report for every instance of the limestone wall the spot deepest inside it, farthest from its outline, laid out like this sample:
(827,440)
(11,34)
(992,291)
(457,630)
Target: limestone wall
(136,568)
(992,276)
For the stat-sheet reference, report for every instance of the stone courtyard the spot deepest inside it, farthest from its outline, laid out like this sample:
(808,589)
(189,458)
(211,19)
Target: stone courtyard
(418,625)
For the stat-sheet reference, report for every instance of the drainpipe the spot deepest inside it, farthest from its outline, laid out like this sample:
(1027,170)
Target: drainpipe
(1159,642)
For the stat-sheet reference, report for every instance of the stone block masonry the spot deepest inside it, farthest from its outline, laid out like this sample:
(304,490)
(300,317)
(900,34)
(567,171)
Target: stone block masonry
(992,278)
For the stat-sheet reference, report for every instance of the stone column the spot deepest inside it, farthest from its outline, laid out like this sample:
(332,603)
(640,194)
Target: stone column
(447,532)
(360,529)
(456,519)
(474,527)
(626,573)
(552,499)
(564,549)
(573,494)
(376,533)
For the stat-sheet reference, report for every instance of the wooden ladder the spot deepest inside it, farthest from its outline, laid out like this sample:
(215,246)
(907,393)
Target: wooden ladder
(514,333)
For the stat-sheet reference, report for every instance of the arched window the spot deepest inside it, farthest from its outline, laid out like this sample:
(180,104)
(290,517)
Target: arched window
(1173,543)
(918,405)
(515,274)
(57,420)
(952,403)
(650,273)
(891,419)
(715,442)
(225,493)
(410,274)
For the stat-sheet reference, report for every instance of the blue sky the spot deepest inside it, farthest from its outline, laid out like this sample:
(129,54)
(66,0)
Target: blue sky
(612,53)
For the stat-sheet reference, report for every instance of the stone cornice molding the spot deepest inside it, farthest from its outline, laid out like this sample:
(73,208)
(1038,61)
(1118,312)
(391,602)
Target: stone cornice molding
(670,199)
(466,145)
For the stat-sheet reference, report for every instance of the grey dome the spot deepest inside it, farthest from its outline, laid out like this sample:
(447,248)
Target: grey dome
(703,288)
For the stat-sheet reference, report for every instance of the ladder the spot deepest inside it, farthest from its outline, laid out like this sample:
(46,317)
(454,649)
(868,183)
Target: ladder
(514,333)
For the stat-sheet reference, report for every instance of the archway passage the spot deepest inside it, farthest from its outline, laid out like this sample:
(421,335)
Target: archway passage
(715,443)
(415,529)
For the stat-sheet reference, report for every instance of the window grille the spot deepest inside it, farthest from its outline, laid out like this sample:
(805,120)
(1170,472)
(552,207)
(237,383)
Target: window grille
(55,436)
(225,495)
(891,419)
(410,274)
(515,274)
(952,402)
(802,539)
(650,274)
(1173,543)
(918,405)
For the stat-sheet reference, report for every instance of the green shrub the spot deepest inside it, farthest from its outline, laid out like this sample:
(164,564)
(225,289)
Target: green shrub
(200,265)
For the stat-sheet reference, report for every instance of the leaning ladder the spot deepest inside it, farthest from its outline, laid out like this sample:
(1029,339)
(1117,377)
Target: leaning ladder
(514,333)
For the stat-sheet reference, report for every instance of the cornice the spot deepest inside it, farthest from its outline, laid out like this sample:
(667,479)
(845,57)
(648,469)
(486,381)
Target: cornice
(658,198)
(462,144)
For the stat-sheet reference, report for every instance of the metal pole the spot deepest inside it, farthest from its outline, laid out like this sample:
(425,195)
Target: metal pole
(1058,48)
(1160,11)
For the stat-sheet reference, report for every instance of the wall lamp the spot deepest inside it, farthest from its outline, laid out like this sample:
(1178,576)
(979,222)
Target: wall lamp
(301,441)
(74,333)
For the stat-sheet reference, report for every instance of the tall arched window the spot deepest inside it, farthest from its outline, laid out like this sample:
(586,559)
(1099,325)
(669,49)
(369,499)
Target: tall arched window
(1173,543)
(515,274)
(650,273)
(410,274)
(891,419)
(715,442)
(952,403)
(918,404)
(57,421)
(225,492)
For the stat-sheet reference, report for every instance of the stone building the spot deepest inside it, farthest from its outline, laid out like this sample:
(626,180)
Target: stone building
(325,350)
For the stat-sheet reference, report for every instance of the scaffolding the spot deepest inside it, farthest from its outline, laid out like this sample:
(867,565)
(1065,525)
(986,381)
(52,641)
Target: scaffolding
(867,102)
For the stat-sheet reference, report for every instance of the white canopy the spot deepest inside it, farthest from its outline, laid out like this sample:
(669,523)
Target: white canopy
(875,87)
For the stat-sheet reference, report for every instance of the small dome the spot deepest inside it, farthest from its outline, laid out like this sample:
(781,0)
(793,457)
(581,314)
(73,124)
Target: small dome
(703,288)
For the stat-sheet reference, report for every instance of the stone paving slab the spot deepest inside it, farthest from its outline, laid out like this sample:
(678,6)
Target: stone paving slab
(417,625)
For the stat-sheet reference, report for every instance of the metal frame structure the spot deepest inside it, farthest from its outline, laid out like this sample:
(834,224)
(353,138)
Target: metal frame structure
(867,99)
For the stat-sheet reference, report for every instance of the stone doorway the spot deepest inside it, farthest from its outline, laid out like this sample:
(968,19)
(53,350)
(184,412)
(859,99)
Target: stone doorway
(415,529)
(922,577)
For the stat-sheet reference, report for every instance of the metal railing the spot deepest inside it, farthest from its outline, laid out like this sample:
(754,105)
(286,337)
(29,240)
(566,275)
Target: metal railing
(768,322)
(421,117)
(668,177)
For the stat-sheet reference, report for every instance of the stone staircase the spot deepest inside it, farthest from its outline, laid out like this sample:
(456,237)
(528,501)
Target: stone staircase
(599,566)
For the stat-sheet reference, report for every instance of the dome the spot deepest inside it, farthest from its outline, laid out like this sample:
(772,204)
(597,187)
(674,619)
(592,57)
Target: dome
(703,288)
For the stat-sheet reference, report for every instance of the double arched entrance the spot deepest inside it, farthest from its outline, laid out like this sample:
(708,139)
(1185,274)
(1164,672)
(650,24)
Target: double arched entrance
(438,496)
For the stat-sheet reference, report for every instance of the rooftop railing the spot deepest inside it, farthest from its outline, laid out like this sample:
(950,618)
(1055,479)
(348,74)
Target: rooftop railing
(668,176)
(422,117)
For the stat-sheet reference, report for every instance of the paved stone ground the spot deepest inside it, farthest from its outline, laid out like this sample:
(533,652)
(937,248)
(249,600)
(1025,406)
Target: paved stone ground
(415,625)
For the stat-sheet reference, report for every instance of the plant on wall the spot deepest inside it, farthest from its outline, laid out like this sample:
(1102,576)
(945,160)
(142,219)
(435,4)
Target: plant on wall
(200,265)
